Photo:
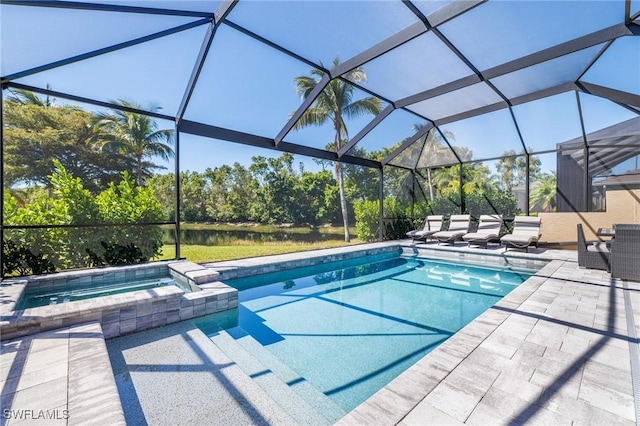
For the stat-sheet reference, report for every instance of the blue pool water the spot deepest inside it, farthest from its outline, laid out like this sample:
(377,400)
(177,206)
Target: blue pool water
(351,327)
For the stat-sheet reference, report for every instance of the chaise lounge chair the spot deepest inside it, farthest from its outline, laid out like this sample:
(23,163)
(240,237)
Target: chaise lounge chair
(488,229)
(593,255)
(432,224)
(458,226)
(526,232)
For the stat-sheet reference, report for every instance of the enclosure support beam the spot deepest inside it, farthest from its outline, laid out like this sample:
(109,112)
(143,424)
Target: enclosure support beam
(408,142)
(527,189)
(381,198)
(571,46)
(220,15)
(413,193)
(89,101)
(585,163)
(107,8)
(585,181)
(365,130)
(178,196)
(461,185)
(1,180)
(612,94)
(306,104)
(215,132)
(98,52)
(195,73)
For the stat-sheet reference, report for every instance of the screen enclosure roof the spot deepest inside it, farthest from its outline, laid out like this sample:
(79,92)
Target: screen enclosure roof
(455,81)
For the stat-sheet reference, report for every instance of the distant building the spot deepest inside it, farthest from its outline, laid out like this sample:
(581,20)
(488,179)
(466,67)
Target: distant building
(520,194)
(577,166)
(626,182)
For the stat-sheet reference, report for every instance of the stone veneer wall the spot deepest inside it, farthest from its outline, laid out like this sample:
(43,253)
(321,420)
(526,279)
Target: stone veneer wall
(118,314)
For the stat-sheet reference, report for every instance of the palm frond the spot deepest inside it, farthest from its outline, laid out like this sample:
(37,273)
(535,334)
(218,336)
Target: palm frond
(357,75)
(368,105)
(312,117)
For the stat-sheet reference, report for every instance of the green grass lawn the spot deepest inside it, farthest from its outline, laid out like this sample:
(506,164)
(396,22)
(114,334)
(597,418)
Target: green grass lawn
(240,249)
(200,254)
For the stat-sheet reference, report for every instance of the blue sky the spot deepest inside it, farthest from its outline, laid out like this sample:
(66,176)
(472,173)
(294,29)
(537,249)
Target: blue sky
(248,86)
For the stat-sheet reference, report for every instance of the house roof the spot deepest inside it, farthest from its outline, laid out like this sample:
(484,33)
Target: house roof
(631,178)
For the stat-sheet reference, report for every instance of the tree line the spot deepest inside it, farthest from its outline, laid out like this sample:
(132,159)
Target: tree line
(99,147)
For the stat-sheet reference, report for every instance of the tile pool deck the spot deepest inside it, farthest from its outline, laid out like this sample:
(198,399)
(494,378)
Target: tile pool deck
(562,348)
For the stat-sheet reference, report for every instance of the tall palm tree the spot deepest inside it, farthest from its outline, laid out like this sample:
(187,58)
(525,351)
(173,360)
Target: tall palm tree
(134,134)
(333,105)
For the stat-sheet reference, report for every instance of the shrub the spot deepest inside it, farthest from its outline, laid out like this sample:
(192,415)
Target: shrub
(367,216)
(397,222)
(42,249)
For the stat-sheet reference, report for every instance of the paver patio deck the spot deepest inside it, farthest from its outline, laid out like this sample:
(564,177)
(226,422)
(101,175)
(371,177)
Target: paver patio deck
(59,377)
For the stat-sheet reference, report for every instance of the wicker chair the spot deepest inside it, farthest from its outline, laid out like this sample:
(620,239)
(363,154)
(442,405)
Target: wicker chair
(593,255)
(625,253)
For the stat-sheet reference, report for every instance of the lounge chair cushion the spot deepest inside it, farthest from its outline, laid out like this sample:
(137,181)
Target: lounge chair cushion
(519,240)
(488,229)
(479,236)
(598,247)
(415,233)
(448,235)
(458,226)
(419,232)
(431,226)
(526,231)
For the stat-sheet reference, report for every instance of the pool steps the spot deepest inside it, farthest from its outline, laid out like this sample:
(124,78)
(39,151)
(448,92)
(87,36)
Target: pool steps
(299,398)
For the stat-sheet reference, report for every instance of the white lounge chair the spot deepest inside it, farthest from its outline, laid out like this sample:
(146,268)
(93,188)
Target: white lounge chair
(432,224)
(458,226)
(488,229)
(526,232)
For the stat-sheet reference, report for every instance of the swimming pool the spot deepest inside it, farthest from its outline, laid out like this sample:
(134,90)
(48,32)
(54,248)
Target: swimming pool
(350,327)
(86,288)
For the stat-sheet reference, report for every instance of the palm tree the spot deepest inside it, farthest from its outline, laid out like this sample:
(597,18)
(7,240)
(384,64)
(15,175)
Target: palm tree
(333,105)
(544,192)
(27,97)
(134,134)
